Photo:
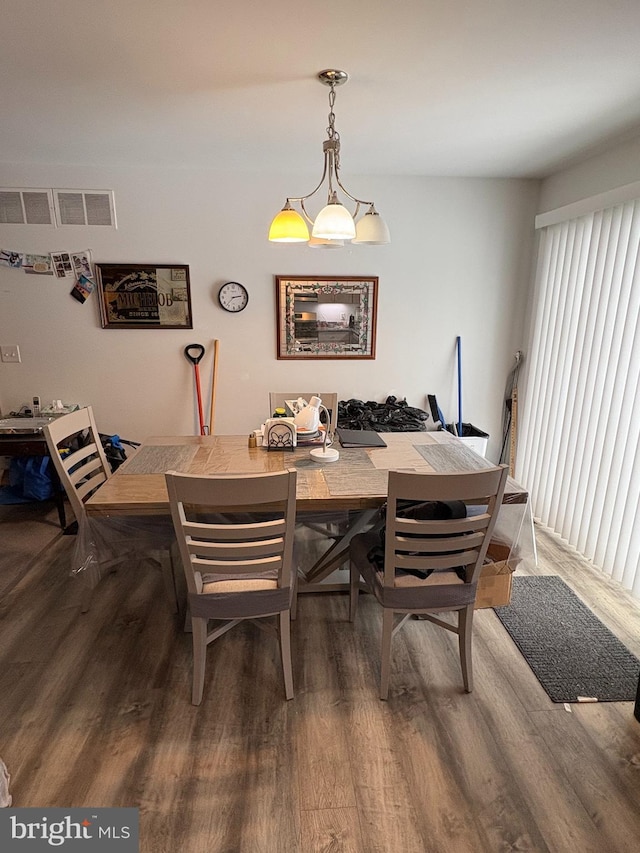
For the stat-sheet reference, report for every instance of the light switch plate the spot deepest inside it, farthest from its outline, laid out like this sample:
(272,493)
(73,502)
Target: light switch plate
(10,354)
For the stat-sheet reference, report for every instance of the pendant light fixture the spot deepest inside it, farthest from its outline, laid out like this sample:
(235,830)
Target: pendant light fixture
(334,224)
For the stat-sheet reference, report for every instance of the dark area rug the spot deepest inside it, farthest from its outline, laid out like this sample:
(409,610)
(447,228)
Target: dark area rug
(570,651)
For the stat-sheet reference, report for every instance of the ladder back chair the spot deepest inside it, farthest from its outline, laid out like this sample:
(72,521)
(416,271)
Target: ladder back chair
(82,467)
(432,555)
(235,536)
(83,470)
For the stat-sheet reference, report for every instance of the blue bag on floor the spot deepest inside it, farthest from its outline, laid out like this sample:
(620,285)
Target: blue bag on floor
(29,477)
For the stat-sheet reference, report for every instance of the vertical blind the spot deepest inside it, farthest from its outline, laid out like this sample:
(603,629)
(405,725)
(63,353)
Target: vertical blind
(578,446)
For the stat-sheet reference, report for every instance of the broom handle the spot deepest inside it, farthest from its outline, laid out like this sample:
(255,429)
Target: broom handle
(513,445)
(459,347)
(214,383)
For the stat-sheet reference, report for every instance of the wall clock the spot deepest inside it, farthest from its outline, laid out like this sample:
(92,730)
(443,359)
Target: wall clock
(233,296)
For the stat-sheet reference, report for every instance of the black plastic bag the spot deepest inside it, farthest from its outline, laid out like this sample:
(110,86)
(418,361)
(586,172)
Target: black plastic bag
(114,449)
(391,416)
(420,511)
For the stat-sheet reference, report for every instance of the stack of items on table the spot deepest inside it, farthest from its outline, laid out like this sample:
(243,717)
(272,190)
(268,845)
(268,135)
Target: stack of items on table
(391,416)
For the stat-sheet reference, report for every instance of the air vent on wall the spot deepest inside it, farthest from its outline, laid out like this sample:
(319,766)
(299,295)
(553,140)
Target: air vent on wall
(26,206)
(85,207)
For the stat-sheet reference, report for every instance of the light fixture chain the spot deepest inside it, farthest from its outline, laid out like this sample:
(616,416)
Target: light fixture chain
(334,223)
(332,133)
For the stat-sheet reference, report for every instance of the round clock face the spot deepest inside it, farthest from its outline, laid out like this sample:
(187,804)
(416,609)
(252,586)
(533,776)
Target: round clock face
(233,296)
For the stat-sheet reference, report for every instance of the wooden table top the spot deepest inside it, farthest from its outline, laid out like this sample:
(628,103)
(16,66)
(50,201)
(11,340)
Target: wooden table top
(358,480)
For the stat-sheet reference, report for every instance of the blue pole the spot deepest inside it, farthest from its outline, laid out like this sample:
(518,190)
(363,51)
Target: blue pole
(459,348)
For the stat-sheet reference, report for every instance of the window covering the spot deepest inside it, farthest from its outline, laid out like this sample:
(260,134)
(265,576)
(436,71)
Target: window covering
(580,425)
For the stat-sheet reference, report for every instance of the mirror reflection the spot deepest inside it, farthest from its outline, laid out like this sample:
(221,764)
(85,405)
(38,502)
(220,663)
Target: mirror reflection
(325,318)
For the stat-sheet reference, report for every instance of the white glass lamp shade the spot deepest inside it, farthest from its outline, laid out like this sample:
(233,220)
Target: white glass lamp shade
(319,243)
(334,222)
(308,418)
(372,229)
(288,227)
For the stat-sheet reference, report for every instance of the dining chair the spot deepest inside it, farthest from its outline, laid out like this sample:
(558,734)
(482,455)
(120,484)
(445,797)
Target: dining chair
(235,537)
(427,555)
(78,456)
(84,469)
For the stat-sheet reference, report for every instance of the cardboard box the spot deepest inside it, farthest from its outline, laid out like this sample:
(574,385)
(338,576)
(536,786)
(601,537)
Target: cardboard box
(494,587)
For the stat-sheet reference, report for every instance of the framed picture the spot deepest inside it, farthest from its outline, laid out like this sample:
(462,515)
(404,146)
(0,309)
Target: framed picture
(326,317)
(144,296)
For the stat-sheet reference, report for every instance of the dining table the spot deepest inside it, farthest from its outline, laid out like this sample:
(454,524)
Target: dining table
(350,490)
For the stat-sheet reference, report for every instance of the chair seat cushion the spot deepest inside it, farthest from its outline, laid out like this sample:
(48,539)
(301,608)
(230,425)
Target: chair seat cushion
(239,598)
(237,584)
(441,590)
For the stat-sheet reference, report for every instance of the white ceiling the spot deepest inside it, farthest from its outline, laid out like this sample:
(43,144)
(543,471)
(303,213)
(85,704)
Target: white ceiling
(437,87)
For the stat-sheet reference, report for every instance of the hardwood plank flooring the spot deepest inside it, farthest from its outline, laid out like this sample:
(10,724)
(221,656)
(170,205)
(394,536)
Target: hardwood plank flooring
(26,529)
(95,710)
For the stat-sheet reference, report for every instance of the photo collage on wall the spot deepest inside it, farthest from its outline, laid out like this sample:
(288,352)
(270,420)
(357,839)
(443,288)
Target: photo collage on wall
(75,267)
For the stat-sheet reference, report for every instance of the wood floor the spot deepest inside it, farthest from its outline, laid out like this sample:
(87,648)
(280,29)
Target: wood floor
(95,710)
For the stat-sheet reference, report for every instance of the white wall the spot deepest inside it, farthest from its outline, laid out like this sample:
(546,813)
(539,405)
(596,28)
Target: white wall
(459,264)
(615,167)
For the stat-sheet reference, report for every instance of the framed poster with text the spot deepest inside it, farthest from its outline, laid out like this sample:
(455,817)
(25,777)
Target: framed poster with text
(144,296)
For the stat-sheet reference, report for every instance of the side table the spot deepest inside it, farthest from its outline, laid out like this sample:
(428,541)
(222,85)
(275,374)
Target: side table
(24,437)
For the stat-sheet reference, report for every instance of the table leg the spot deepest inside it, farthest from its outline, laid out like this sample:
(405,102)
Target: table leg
(59,499)
(334,556)
(58,496)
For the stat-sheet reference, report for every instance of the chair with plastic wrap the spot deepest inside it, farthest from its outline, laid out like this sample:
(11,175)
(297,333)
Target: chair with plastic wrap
(428,556)
(235,536)
(81,464)
(84,469)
